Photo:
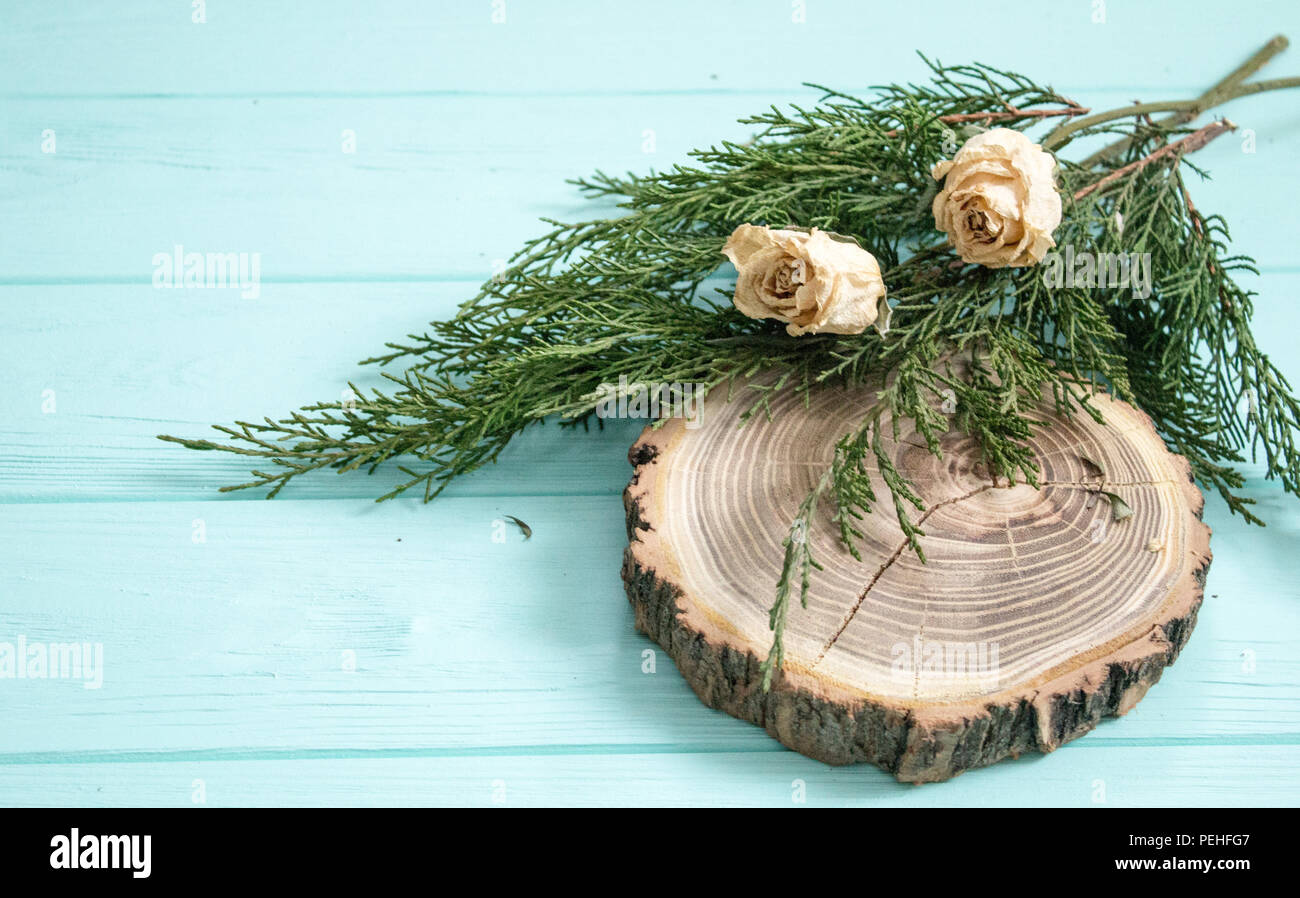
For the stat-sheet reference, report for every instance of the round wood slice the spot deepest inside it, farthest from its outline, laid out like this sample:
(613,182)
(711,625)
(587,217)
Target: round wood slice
(1036,615)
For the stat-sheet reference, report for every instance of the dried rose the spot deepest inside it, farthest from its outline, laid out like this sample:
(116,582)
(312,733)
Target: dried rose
(999,203)
(812,281)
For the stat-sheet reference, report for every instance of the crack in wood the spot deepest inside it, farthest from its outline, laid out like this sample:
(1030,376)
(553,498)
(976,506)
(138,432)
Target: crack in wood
(889,561)
(898,553)
(1089,485)
(1011,544)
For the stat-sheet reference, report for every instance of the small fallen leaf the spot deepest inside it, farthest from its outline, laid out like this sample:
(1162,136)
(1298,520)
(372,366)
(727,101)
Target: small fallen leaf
(523,528)
(1119,509)
(1095,465)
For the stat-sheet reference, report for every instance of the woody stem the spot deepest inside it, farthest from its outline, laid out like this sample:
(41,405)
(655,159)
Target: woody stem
(1189,144)
(1229,88)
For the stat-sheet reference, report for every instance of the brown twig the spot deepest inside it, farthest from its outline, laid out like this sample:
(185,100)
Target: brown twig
(1189,144)
(1227,89)
(1010,114)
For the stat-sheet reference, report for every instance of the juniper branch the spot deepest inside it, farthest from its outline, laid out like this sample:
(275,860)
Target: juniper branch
(640,295)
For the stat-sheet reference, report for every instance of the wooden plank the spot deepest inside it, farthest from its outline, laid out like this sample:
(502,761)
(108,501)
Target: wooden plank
(127,362)
(568,46)
(1093,775)
(438,188)
(239,642)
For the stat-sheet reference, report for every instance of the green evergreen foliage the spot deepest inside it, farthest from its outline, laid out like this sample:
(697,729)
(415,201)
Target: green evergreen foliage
(632,296)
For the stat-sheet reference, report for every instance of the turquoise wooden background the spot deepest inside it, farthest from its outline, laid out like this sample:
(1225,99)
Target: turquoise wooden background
(484,672)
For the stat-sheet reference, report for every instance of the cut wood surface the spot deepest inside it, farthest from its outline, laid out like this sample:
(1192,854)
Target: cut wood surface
(1038,612)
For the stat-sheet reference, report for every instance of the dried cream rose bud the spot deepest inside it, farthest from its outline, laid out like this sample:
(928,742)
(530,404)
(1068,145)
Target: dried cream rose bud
(999,203)
(814,283)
